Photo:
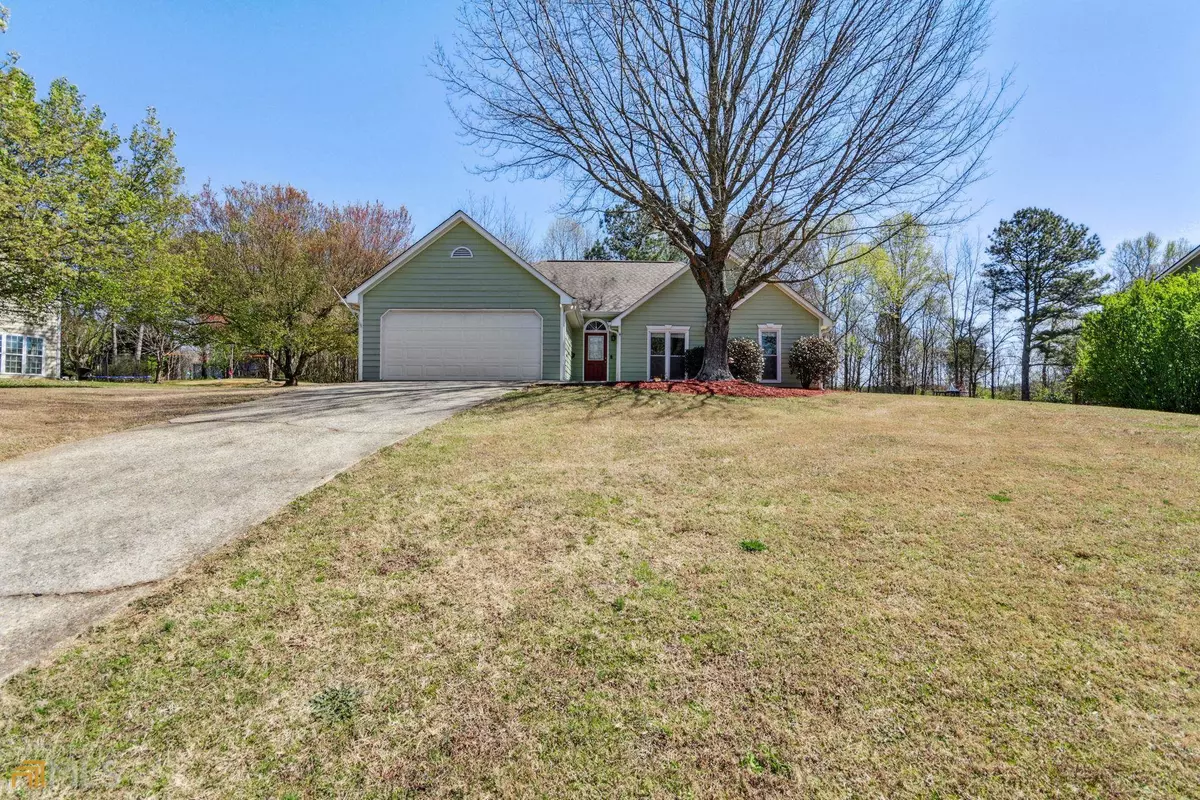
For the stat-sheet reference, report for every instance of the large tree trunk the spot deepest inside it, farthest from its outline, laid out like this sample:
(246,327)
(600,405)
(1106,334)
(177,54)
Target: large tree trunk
(291,365)
(1026,353)
(896,354)
(716,340)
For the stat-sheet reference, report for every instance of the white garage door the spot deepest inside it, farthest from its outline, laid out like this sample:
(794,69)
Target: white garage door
(460,345)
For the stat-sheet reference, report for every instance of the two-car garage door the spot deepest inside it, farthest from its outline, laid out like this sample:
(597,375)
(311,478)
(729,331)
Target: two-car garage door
(460,345)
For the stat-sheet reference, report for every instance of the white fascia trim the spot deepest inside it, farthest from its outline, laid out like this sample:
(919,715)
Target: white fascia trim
(1192,255)
(826,321)
(770,327)
(668,330)
(574,315)
(435,234)
(617,319)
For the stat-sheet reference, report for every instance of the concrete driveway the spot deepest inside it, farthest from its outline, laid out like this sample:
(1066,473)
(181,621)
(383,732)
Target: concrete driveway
(87,526)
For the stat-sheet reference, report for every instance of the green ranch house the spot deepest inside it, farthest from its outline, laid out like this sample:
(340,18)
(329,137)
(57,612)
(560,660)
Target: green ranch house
(459,305)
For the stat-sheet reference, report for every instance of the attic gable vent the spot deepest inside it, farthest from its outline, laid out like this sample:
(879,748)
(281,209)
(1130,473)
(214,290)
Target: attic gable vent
(461,252)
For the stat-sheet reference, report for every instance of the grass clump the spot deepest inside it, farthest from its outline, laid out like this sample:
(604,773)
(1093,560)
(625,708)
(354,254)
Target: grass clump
(336,703)
(752,545)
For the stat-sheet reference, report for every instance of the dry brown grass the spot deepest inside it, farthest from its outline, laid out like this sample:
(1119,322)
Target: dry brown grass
(35,415)
(546,597)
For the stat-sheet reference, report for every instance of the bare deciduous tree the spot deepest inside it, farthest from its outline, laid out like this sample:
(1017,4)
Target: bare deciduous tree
(566,240)
(1145,258)
(837,285)
(743,126)
(966,299)
(504,223)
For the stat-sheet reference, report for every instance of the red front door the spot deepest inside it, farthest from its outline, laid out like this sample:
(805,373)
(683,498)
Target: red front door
(595,356)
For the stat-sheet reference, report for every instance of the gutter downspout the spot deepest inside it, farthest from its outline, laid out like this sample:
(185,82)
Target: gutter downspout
(618,353)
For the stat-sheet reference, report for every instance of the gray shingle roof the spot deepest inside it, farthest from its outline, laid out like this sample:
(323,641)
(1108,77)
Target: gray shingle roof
(607,286)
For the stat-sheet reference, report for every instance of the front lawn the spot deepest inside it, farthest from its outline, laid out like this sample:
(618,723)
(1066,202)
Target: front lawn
(36,414)
(595,592)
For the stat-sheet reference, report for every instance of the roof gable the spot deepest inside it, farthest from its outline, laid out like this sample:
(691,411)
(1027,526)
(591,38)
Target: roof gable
(796,297)
(458,217)
(792,294)
(685,269)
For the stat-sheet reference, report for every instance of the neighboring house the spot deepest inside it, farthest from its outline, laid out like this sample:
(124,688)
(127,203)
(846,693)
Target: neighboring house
(30,345)
(1189,263)
(460,305)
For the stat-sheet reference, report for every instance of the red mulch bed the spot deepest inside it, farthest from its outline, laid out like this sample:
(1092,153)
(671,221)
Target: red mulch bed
(722,388)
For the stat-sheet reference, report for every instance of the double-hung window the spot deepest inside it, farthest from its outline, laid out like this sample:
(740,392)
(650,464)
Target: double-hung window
(770,339)
(667,352)
(24,355)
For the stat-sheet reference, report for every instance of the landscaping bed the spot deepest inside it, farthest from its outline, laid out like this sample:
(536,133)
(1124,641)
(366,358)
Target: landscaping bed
(721,388)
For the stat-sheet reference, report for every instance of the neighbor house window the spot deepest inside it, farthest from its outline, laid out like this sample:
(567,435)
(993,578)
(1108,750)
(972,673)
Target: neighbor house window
(667,350)
(24,355)
(769,338)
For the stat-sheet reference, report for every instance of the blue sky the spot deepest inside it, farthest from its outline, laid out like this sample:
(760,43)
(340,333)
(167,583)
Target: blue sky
(337,98)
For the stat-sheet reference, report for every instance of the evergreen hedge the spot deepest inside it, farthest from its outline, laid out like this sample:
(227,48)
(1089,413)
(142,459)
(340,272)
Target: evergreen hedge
(1142,348)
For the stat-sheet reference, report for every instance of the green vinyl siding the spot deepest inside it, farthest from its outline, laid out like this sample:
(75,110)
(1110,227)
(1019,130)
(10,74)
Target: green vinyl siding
(433,280)
(771,306)
(681,304)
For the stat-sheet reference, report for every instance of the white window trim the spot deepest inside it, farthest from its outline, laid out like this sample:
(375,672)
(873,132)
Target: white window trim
(769,327)
(24,337)
(462,252)
(668,329)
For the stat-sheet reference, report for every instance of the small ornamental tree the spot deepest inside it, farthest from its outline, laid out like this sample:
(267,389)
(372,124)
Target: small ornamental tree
(746,360)
(813,360)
